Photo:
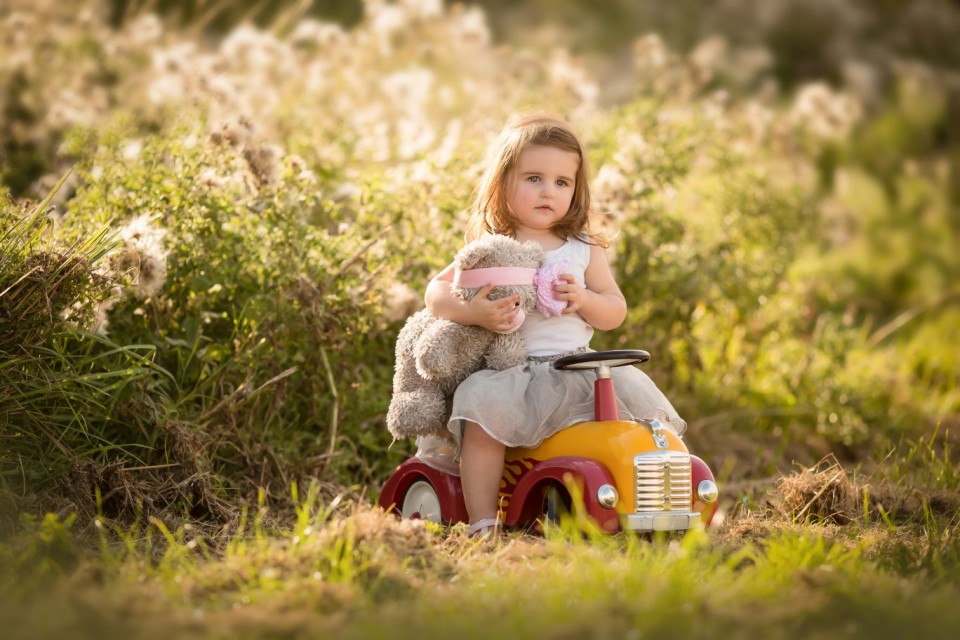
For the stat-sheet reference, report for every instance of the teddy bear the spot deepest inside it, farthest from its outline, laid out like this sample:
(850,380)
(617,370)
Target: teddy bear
(434,355)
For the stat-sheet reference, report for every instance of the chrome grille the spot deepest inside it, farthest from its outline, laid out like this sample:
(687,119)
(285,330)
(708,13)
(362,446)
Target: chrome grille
(663,481)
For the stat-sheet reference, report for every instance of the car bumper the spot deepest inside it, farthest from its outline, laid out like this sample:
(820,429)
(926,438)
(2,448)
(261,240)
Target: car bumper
(659,521)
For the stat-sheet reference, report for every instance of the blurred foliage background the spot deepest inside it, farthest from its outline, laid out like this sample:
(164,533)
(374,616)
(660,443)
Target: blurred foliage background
(217,215)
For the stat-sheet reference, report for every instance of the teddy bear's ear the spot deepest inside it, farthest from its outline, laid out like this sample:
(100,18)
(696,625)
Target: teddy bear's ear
(472,253)
(534,252)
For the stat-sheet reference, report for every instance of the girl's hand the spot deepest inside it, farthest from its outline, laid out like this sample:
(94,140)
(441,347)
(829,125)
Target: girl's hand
(493,315)
(573,293)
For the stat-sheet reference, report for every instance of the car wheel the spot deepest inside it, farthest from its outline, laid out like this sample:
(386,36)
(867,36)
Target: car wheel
(556,503)
(421,502)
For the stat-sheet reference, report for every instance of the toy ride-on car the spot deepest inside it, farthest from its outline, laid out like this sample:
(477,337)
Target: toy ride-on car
(630,476)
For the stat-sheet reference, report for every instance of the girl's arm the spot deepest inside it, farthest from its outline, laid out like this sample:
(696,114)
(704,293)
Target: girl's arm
(495,315)
(601,303)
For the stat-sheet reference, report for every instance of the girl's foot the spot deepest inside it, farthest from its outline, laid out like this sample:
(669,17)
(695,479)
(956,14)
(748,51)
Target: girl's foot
(485,530)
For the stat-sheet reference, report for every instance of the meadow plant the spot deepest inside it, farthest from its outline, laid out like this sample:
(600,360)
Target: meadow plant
(281,194)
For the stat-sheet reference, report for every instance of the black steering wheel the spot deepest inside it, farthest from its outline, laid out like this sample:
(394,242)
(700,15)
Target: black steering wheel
(598,359)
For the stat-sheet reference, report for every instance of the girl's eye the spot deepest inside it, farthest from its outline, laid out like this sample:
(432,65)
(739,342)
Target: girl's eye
(534,178)
(561,183)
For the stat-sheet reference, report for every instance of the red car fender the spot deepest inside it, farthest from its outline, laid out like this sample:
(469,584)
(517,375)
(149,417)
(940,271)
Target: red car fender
(449,492)
(699,471)
(527,499)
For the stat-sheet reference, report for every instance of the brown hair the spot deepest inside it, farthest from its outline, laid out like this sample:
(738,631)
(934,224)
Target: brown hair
(490,212)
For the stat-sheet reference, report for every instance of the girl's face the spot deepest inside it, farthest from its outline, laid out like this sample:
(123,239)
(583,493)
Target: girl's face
(541,188)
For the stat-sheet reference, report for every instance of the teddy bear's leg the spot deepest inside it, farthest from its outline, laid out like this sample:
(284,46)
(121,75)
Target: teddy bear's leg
(419,412)
(447,351)
(417,405)
(506,350)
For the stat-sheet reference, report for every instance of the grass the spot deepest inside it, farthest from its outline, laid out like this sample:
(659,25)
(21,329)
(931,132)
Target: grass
(341,568)
(800,581)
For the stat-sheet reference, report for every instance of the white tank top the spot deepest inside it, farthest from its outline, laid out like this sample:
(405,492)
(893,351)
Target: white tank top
(560,334)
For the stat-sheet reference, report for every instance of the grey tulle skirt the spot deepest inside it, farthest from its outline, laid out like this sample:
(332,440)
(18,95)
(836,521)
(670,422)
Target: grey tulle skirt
(522,406)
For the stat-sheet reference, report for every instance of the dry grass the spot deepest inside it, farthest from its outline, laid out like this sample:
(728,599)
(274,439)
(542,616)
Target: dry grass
(345,569)
(822,493)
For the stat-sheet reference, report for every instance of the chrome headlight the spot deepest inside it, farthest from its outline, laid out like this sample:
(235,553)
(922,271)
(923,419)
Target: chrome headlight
(607,496)
(707,491)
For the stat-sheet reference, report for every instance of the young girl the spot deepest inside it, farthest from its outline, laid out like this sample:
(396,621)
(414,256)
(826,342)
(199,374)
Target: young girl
(536,189)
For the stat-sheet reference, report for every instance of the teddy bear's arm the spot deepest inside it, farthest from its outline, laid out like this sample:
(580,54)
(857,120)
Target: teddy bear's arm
(507,350)
(449,352)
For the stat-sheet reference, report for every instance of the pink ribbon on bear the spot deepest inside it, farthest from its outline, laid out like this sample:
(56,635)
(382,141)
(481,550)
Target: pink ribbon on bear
(543,280)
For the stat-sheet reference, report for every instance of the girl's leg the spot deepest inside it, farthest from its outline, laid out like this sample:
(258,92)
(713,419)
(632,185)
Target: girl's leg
(481,465)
